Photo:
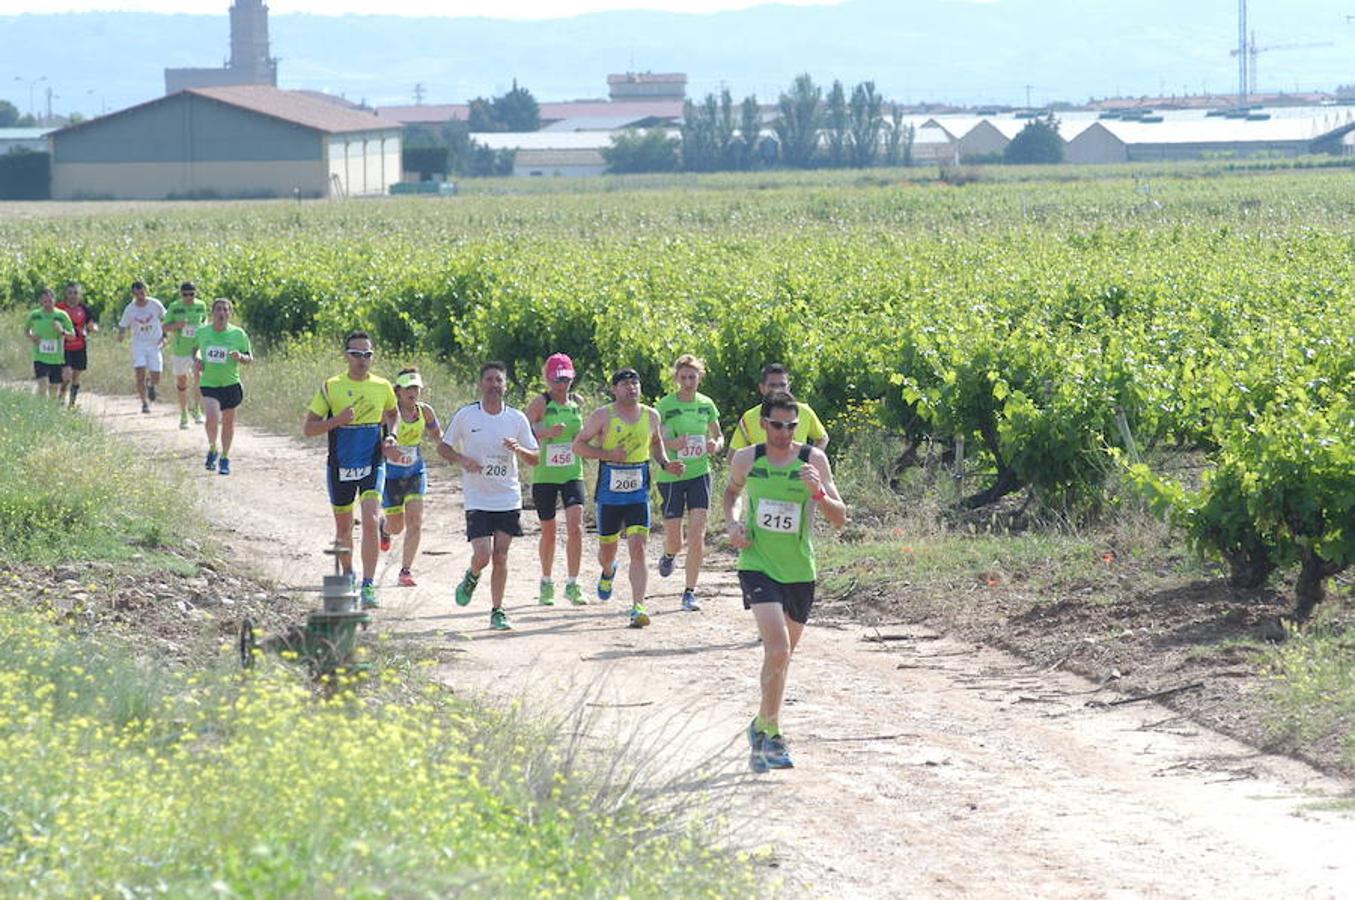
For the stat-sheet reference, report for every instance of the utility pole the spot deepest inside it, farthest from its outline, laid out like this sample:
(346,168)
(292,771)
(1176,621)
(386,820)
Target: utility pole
(50,97)
(1028,87)
(418,94)
(32,83)
(1243,94)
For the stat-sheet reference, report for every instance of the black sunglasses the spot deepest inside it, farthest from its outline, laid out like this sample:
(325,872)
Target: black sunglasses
(783,426)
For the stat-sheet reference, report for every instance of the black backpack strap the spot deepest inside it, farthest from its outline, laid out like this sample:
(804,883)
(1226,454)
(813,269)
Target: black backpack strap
(805,451)
(759,451)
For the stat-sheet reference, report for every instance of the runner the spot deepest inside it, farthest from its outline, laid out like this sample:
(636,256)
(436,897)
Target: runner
(45,327)
(355,409)
(626,431)
(183,319)
(77,355)
(221,349)
(486,439)
(776,379)
(143,317)
(786,480)
(691,429)
(406,470)
(556,419)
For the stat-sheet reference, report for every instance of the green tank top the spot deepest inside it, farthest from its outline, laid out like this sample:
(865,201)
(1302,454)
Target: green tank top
(559,463)
(780,520)
(408,437)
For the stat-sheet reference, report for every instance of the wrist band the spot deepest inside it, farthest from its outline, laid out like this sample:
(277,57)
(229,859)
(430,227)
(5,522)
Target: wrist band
(819,494)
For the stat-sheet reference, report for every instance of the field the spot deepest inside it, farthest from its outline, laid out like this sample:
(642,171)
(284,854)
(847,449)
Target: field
(1104,423)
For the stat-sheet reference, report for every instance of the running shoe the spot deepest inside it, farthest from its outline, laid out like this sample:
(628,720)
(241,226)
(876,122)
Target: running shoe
(223,467)
(145,407)
(369,600)
(775,753)
(198,418)
(498,620)
(666,565)
(150,392)
(183,421)
(546,597)
(756,761)
(210,463)
(406,579)
(639,617)
(605,585)
(385,537)
(689,602)
(466,587)
(574,593)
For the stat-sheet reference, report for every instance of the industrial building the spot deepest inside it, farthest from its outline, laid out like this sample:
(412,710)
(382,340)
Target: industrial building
(244,141)
(249,61)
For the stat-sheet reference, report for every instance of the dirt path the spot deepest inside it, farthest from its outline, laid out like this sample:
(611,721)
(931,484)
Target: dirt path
(926,767)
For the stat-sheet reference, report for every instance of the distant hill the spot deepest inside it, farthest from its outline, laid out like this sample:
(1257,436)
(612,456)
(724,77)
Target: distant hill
(943,50)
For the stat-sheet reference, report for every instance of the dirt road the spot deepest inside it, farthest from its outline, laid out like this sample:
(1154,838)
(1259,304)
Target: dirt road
(925,767)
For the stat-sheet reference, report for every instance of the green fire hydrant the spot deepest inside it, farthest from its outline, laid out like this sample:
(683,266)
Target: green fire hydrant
(328,641)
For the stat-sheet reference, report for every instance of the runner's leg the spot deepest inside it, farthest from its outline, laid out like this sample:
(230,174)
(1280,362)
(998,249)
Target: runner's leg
(498,576)
(574,539)
(140,373)
(181,385)
(413,518)
(371,512)
(343,527)
(639,577)
(696,545)
(545,547)
(227,430)
(776,649)
(213,422)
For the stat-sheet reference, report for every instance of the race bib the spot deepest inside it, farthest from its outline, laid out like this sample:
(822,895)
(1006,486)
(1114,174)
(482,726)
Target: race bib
(190,331)
(216,354)
(693,447)
(408,456)
(147,327)
(48,345)
(625,481)
(496,467)
(560,455)
(354,473)
(781,516)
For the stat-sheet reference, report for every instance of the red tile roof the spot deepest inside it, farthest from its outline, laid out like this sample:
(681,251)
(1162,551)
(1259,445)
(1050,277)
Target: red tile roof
(550,112)
(294,106)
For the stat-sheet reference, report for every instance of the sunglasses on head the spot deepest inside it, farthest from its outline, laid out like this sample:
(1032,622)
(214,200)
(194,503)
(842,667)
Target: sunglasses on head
(783,426)
(361,354)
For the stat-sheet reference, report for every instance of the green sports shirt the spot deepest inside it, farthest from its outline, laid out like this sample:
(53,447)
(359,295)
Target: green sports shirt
(51,347)
(193,316)
(559,463)
(691,422)
(780,520)
(218,369)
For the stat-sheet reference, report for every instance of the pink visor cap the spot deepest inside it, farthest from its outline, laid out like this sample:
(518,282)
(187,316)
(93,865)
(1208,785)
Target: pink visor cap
(559,366)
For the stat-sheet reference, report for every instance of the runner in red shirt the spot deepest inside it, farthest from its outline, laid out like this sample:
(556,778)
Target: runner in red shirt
(77,358)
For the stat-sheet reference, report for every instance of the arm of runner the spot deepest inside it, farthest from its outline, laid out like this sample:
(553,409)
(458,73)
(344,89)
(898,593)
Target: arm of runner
(536,414)
(318,421)
(818,477)
(592,429)
(733,499)
(431,426)
(715,437)
(660,446)
(447,450)
(816,433)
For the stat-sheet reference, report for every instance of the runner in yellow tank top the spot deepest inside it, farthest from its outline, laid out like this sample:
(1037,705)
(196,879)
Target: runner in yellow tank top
(622,436)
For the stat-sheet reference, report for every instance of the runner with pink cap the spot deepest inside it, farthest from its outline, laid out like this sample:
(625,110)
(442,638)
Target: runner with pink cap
(556,417)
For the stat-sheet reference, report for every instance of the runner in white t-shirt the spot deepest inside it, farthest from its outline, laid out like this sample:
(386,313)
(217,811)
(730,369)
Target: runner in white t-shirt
(143,317)
(487,439)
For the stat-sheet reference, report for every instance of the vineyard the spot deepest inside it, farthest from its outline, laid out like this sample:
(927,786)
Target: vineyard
(1050,336)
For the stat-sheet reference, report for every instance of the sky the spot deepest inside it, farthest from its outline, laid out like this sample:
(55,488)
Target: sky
(498,9)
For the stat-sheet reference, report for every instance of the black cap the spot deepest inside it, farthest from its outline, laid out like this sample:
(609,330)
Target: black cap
(188,286)
(626,374)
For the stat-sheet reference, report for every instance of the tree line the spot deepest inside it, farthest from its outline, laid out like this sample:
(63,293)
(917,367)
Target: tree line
(810,130)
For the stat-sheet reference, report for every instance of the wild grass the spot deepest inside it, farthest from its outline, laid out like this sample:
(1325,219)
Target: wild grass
(120,777)
(1311,681)
(70,492)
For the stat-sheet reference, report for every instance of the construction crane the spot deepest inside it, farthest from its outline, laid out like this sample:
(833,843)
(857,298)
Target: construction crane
(1251,51)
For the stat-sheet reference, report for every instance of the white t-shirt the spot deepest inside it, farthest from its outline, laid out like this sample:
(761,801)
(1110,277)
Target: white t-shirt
(478,435)
(144,322)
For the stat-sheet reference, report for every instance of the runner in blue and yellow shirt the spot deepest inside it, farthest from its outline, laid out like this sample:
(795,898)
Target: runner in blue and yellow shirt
(357,410)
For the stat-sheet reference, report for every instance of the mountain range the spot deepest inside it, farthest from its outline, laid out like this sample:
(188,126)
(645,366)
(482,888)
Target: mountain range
(957,51)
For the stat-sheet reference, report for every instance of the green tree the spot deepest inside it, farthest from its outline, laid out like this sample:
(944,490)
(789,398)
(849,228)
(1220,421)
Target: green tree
(797,122)
(867,121)
(898,139)
(517,110)
(481,116)
(9,115)
(635,151)
(838,125)
(1037,143)
(750,129)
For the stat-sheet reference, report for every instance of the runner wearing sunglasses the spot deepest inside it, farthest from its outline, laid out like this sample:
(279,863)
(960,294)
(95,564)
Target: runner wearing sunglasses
(786,481)
(357,410)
